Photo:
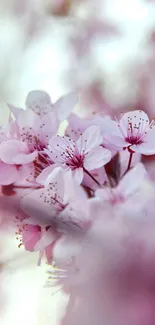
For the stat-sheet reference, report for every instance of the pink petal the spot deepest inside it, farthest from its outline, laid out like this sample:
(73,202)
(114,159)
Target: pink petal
(90,139)
(133,180)
(78,175)
(135,117)
(72,190)
(57,176)
(124,159)
(148,146)
(108,126)
(41,212)
(58,147)
(27,119)
(10,149)
(65,105)
(99,174)
(30,236)
(74,217)
(47,237)
(144,148)
(104,194)
(49,252)
(38,204)
(39,102)
(8,174)
(77,126)
(25,158)
(45,127)
(97,158)
(115,142)
(15,110)
(45,173)
(65,248)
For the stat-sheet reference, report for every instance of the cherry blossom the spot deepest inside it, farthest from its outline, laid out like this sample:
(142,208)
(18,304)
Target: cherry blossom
(40,103)
(82,155)
(85,204)
(129,186)
(36,238)
(55,205)
(133,131)
(24,139)
(78,125)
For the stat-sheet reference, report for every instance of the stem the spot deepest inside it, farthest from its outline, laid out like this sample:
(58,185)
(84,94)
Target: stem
(92,177)
(130,160)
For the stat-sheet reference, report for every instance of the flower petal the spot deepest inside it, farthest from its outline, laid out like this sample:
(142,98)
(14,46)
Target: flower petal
(39,102)
(145,148)
(115,142)
(45,173)
(10,149)
(47,237)
(97,158)
(137,118)
(8,174)
(65,105)
(25,158)
(30,236)
(78,175)
(37,206)
(90,139)
(59,147)
(133,180)
(15,110)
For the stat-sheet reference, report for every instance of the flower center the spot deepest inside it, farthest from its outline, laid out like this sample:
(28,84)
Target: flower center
(75,161)
(133,139)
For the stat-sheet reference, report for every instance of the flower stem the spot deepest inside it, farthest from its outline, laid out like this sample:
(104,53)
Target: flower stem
(130,160)
(92,177)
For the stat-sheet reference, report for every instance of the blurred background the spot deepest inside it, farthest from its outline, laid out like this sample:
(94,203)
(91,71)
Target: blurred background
(103,49)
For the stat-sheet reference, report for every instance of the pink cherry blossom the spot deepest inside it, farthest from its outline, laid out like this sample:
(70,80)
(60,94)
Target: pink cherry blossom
(58,203)
(113,271)
(82,155)
(129,186)
(40,103)
(36,238)
(78,125)
(133,131)
(23,141)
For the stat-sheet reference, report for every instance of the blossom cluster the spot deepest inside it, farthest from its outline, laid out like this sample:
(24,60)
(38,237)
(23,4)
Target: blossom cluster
(84,201)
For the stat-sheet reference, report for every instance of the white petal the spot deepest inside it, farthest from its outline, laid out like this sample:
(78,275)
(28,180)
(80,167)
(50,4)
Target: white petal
(90,139)
(39,102)
(97,158)
(133,180)
(65,105)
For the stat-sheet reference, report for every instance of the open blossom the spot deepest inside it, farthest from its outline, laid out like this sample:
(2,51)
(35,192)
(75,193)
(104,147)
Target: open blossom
(114,270)
(41,120)
(78,125)
(58,208)
(82,155)
(39,239)
(40,103)
(24,139)
(129,186)
(81,202)
(133,131)
(58,203)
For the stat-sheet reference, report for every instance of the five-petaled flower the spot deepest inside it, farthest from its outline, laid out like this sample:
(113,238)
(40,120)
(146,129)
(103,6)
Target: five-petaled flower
(133,131)
(83,155)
